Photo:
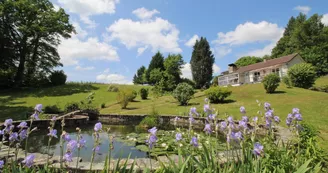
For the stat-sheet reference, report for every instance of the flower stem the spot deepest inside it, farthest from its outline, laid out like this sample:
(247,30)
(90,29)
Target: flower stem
(78,151)
(150,159)
(28,134)
(48,151)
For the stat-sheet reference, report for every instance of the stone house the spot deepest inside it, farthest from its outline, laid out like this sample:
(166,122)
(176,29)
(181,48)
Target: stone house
(254,73)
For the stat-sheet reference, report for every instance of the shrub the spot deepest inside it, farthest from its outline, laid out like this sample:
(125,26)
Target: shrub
(302,75)
(271,82)
(112,88)
(323,88)
(287,82)
(54,109)
(58,77)
(150,120)
(217,94)
(125,96)
(143,93)
(73,106)
(183,93)
(103,105)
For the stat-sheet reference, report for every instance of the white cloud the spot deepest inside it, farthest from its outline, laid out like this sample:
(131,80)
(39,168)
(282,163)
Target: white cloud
(159,34)
(143,13)
(141,50)
(303,9)
(261,52)
(250,32)
(186,71)
(324,19)
(113,78)
(106,70)
(70,50)
(191,42)
(221,51)
(79,31)
(216,69)
(87,8)
(79,68)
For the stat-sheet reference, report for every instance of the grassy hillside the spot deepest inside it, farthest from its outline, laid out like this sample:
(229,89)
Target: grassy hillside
(314,105)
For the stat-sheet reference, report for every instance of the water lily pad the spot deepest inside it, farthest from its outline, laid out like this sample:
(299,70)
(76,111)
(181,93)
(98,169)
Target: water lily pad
(143,148)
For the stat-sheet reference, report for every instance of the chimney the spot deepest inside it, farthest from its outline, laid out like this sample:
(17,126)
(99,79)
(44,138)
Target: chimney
(232,68)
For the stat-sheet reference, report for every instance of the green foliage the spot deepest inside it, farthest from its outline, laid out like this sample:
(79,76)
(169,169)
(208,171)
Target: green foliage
(286,80)
(125,96)
(112,88)
(54,109)
(157,62)
(307,36)
(189,82)
(201,63)
(323,88)
(302,75)
(139,76)
(271,82)
(173,64)
(183,93)
(217,94)
(144,93)
(215,81)
(103,105)
(248,60)
(29,38)
(58,78)
(72,106)
(155,76)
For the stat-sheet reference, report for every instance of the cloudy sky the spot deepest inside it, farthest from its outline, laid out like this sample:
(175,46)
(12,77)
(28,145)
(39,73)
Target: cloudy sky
(115,37)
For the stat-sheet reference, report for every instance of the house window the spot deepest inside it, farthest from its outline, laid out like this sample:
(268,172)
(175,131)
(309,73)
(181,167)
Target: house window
(276,71)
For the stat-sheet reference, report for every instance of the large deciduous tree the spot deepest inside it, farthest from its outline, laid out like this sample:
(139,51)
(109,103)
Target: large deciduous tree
(31,32)
(139,76)
(248,60)
(173,65)
(157,62)
(201,62)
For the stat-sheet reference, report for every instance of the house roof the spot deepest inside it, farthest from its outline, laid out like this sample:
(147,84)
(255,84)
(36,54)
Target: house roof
(267,63)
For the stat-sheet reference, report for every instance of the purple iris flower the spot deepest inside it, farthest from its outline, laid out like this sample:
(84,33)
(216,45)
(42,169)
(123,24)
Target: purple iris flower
(258,149)
(194,141)
(66,137)
(298,117)
(242,110)
(267,106)
(98,127)
(269,114)
(276,119)
(176,119)
(13,137)
(238,136)
(153,130)
(29,160)
(81,143)
(2,132)
(206,107)
(211,116)
(54,118)
(151,141)
(1,163)
(38,108)
(207,128)
(255,119)
(22,125)
(8,122)
(35,116)
(268,122)
(296,111)
(68,157)
(288,122)
(290,116)
(230,119)
(193,111)
(96,149)
(191,119)
(223,125)
(178,136)
(53,133)
(23,134)
(245,119)
(71,145)
(243,124)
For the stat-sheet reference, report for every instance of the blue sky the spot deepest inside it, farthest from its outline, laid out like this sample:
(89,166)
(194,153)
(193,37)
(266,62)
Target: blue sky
(115,37)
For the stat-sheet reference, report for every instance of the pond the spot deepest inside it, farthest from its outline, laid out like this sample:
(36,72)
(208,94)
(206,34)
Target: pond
(128,141)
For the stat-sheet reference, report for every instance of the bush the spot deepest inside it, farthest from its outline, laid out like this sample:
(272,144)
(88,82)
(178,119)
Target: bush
(217,94)
(150,120)
(125,96)
(323,88)
(112,88)
(183,93)
(58,77)
(103,105)
(271,82)
(70,107)
(143,93)
(287,82)
(188,81)
(54,109)
(302,75)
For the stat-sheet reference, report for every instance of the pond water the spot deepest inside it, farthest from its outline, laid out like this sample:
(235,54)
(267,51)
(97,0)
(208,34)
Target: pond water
(128,140)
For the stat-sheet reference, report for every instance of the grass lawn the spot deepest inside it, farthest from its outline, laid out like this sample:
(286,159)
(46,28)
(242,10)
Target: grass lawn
(313,105)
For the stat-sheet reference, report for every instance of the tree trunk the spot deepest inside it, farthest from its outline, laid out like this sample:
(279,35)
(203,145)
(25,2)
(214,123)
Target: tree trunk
(21,67)
(32,62)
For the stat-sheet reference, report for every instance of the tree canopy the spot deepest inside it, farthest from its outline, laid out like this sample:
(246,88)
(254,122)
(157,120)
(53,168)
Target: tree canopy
(201,62)
(248,60)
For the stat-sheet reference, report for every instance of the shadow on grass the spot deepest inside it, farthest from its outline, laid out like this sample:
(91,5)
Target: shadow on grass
(15,112)
(279,92)
(225,102)
(131,108)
